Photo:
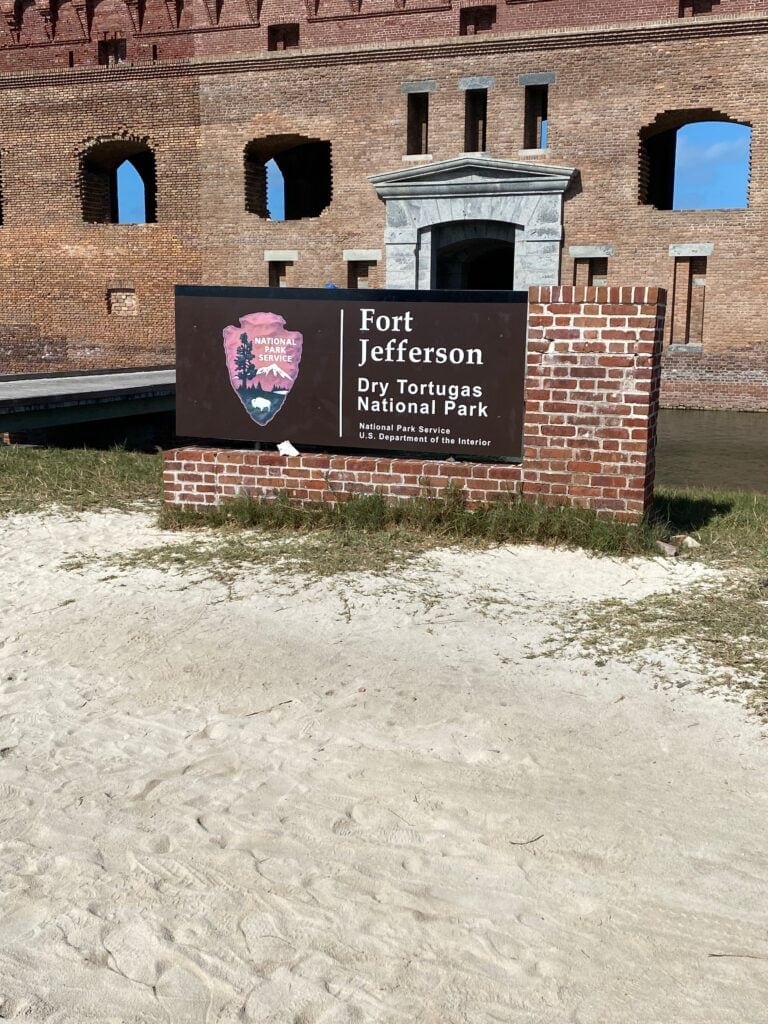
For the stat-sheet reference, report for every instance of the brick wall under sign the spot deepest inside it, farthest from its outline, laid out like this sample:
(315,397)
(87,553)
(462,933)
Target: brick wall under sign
(591,404)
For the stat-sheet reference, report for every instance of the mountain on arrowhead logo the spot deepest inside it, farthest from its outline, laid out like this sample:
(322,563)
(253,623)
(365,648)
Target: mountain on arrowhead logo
(263,362)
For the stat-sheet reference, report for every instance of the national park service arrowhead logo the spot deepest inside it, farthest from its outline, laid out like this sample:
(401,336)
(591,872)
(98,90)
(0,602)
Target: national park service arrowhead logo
(263,362)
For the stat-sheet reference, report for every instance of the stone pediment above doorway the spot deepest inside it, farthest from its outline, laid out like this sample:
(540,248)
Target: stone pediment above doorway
(473,175)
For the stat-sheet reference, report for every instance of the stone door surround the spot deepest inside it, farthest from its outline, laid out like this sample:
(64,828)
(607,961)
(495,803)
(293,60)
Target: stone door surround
(473,188)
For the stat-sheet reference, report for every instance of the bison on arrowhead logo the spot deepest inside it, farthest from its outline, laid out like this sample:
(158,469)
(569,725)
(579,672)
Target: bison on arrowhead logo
(263,362)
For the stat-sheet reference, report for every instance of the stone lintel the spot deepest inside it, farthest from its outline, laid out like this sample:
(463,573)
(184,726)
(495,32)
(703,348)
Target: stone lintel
(538,78)
(590,252)
(475,174)
(692,249)
(426,85)
(477,82)
(361,255)
(281,255)
(691,350)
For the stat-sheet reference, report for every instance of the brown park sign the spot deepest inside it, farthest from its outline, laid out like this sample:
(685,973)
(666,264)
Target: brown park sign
(428,371)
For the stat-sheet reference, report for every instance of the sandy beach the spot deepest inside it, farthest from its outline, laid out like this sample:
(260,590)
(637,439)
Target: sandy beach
(386,799)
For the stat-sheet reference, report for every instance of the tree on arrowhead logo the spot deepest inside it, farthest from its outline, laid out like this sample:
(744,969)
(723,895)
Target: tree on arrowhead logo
(263,362)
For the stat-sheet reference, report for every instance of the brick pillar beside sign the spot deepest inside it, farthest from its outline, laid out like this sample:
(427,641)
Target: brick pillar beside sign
(591,404)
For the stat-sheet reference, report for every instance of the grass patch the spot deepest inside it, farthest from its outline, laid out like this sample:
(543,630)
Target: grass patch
(76,479)
(228,555)
(444,519)
(722,627)
(732,527)
(368,534)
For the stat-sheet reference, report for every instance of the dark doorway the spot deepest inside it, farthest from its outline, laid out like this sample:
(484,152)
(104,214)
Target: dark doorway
(485,264)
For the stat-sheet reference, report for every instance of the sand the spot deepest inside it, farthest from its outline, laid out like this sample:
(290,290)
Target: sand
(364,800)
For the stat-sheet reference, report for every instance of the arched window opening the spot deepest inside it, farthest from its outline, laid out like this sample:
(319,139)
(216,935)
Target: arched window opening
(118,183)
(287,177)
(695,160)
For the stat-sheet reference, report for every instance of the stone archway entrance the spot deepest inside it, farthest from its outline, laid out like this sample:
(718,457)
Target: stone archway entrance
(475,255)
(423,202)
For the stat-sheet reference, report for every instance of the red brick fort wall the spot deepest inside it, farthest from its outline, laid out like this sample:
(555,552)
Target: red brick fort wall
(199,85)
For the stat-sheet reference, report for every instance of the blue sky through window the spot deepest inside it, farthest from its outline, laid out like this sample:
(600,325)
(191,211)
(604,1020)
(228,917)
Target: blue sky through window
(275,192)
(712,166)
(131,204)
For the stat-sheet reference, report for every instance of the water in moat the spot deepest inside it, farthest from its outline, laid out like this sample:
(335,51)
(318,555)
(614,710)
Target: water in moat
(719,450)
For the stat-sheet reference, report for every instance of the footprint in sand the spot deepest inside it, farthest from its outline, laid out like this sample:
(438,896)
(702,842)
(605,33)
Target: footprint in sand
(344,827)
(15,804)
(132,950)
(29,1010)
(215,765)
(266,939)
(213,731)
(284,871)
(171,873)
(286,998)
(158,844)
(184,995)
(21,921)
(413,864)
(374,823)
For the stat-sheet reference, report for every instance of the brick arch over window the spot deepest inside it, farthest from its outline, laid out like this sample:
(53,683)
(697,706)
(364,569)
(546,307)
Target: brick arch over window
(99,165)
(195,13)
(68,24)
(658,152)
(32,27)
(306,167)
(109,18)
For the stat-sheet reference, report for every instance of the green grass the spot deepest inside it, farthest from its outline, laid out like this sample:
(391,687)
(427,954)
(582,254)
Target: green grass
(228,555)
(732,527)
(720,629)
(445,519)
(366,533)
(720,626)
(76,480)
